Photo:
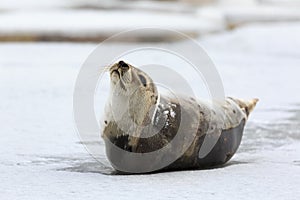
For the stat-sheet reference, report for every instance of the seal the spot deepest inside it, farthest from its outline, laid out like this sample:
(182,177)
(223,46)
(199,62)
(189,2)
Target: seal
(140,120)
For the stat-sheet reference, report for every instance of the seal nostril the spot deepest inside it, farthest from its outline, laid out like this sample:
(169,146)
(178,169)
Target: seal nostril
(123,65)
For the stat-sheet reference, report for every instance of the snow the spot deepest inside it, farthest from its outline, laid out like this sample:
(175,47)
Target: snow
(15,5)
(87,23)
(96,20)
(238,15)
(31,4)
(41,155)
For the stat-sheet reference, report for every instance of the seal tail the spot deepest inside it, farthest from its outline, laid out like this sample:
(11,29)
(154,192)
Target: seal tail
(246,105)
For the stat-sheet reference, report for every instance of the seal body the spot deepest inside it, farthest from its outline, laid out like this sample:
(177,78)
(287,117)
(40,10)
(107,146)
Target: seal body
(196,134)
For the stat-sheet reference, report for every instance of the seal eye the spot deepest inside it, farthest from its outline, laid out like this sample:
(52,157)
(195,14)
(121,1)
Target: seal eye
(143,80)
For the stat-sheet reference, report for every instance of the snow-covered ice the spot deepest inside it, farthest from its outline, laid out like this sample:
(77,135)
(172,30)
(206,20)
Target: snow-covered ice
(96,20)
(41,155)
(87,24)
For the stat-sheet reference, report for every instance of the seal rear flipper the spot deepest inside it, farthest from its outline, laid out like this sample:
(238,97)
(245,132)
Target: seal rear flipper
(246,105)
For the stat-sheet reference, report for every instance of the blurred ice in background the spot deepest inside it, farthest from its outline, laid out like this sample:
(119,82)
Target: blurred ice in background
(254,43)
(95,20)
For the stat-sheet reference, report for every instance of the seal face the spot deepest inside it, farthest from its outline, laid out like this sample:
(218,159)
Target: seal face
(139,120)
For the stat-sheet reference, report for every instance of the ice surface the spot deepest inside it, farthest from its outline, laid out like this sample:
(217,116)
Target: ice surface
(41,155)
(95,20)
(88,23)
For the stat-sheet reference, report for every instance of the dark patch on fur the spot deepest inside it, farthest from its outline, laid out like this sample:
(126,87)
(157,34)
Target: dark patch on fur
(164,135)
(247,111)
(226,146)
(221,153)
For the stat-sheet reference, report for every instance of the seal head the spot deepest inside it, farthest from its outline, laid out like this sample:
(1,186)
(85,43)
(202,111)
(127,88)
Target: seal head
(133,99)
